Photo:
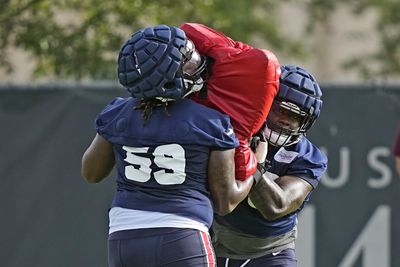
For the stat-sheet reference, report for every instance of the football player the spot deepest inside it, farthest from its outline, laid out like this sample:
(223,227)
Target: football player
(262,230)
(241,81)
(396,152)
(174,157)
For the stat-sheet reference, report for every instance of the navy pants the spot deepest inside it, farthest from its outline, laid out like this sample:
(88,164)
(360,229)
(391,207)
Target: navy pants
(174,247)
(286,258)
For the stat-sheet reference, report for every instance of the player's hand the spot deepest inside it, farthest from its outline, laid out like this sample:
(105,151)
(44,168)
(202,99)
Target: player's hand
(260,155)
(258,137)
(261,151)
(261,133)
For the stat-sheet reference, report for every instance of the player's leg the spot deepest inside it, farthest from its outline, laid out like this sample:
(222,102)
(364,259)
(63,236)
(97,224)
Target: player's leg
(134,247)
(285,258)
(185,248)
(225,262)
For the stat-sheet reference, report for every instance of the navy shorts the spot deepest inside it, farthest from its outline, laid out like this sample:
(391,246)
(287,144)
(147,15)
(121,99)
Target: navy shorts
(174,247)
(286,258)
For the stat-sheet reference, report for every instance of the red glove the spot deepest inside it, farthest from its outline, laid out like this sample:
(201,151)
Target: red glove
(243,83)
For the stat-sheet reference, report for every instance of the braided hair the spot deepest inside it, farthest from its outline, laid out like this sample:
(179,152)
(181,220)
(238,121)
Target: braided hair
(147,105)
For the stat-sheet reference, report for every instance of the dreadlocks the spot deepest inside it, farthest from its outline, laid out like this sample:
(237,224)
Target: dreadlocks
(148,104)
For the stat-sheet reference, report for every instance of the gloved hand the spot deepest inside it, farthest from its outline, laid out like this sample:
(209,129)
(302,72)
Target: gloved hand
(261,152)
(258,137)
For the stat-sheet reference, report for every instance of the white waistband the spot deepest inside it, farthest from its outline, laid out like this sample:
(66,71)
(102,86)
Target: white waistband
(128,219)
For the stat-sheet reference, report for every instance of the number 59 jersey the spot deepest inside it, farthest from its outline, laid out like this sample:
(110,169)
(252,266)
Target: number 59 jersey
(162,162)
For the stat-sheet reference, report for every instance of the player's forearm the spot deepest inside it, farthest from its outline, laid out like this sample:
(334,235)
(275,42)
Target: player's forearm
(241,191)
(234,194)
(270,199)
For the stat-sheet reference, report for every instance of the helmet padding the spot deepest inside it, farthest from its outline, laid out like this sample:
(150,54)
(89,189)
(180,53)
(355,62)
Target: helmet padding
(149,63)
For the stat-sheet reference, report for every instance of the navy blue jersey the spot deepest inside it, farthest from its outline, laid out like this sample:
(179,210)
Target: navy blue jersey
(162,163)
(303,160)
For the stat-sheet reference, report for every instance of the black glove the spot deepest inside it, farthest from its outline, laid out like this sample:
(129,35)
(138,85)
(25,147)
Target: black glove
(257,137)
(261,133)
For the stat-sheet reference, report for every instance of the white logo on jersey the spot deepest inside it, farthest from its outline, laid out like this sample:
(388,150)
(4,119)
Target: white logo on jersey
(285,156)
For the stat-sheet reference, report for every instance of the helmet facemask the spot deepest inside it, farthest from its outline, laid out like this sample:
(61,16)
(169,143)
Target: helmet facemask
(285,124)
(193,65)
(296,107)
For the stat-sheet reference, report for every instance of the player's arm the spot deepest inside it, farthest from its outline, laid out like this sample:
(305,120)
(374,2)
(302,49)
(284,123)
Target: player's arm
(397,158)
(226,191)
(275,199)
(98,160)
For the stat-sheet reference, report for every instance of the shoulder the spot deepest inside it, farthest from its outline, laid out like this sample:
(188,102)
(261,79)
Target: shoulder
(117,108)
(303,150)
(116,105)
(309,151)
(202,110)
(198,115)
(205,123)
(303,159)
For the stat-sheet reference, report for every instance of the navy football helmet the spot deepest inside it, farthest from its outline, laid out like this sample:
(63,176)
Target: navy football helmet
(160,62)
(295,108)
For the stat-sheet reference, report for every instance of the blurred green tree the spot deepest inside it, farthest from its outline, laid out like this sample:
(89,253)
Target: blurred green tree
(383,63)
(80,39)
(76,39)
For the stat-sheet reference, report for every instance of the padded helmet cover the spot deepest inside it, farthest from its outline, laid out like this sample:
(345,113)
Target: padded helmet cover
(299,87)
(149,63)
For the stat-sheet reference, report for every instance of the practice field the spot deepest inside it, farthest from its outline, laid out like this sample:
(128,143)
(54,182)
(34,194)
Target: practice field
(53,218)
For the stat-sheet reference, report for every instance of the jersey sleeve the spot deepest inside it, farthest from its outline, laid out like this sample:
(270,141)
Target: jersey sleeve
(310,166)
(225,137)
(210,128)
(186,123)
(105,119)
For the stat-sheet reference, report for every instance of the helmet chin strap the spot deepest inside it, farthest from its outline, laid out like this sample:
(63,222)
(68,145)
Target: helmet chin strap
(279,139)
(193,86)
(164,99)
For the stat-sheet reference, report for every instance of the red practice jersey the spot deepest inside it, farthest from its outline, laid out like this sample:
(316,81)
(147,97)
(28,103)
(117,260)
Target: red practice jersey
(242,84)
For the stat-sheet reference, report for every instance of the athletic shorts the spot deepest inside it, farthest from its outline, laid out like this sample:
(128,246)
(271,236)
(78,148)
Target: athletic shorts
(174,247)
(285,258)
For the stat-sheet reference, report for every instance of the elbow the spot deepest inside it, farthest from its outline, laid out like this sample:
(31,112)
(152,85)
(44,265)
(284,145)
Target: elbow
(272,215)
(275,211)
(220,212)
(223,212)
(91,177)
(92,180)
(93,174)
(281,208)
(223,209)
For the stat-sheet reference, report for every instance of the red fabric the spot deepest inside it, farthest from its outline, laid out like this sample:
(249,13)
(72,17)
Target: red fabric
(245,161)
(243,83)
(209,249)
(396,148)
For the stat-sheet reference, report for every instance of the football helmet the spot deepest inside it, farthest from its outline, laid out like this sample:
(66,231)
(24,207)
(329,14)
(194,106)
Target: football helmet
(295,108)
(160,62)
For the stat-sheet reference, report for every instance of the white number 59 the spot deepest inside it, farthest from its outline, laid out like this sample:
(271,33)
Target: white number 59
(171,157)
